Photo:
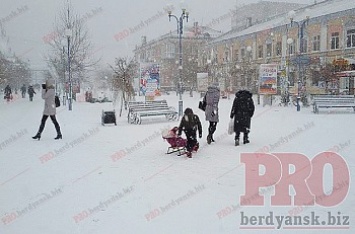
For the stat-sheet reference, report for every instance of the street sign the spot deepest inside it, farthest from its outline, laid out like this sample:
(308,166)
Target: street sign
(301,59)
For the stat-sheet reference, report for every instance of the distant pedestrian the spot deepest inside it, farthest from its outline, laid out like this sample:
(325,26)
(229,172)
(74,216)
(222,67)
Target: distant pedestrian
(190,124)
(7,93)
(242,112)
(23,91)
(48,94)
(212,99)
(31,91)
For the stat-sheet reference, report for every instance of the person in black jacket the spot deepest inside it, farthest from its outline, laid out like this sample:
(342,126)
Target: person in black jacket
(242,111)
(190,123)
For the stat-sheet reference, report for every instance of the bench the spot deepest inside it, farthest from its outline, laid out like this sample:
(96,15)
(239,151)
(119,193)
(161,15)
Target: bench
(333,101)
(138,110)
(132,105)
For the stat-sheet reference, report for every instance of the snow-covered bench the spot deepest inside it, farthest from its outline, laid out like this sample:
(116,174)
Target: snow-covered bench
(138,110)
(333,101)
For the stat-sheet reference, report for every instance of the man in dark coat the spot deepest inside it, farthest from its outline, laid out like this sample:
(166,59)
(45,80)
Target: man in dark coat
(242,111)
(8,93)
(23,91)
(31,91)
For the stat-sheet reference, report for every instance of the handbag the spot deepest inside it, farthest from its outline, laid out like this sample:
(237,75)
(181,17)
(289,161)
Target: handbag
(231,127)
(57,101)
(202,105)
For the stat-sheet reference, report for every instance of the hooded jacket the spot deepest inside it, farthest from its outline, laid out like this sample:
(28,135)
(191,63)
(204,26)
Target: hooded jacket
(242,111)
(49,95)
(212,99)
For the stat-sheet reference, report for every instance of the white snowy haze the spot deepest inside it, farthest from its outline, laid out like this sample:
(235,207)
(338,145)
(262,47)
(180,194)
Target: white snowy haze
(28,23)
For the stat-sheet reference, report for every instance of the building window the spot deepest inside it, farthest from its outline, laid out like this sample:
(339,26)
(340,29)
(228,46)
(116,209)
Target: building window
(236,55)
(316,43)
(334,43)
(304,45)
(242,53)
(170,51)
(350,40)
(226,56)
(278,48)
(268,50)
(291,48)
(261,51)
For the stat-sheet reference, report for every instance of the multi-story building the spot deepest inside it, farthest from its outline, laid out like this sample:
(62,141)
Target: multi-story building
(308,44)
(165,52)
(245,15)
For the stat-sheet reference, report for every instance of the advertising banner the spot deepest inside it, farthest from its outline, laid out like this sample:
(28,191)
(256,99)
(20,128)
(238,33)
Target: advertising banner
(149,84)
(268,79)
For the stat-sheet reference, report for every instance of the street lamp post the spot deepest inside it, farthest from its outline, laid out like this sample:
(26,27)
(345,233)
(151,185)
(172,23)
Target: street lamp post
(68,33)
(180,26)
(301,25)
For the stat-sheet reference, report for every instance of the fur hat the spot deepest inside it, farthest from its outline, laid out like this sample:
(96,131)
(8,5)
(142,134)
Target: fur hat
(50,83)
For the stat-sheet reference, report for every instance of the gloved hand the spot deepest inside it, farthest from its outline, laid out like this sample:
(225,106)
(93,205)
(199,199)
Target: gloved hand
(200,135)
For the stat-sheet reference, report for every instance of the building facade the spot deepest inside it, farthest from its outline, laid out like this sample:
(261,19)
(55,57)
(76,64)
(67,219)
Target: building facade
(309,45)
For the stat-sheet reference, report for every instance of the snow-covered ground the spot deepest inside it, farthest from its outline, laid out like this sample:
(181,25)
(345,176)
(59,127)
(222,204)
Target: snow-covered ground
(118,179)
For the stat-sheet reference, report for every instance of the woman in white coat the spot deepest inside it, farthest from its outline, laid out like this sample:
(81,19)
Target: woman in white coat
(48,94)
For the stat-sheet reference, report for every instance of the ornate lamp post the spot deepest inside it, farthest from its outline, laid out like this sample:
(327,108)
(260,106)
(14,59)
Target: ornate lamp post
(180,27)
(301,26)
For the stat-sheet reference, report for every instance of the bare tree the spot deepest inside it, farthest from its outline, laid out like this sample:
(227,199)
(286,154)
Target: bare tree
(122,82)
(70,43)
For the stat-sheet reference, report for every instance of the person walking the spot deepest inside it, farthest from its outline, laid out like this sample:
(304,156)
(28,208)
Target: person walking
(48,94)
(190,123)
(23,91)
(242,112)
(212,99)
(31,91)
(8,93)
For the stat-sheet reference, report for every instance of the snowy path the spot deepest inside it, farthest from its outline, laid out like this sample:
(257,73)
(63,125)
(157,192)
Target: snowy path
(117,179)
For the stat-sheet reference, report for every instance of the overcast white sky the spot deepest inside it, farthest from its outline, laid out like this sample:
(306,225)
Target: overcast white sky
(28,22)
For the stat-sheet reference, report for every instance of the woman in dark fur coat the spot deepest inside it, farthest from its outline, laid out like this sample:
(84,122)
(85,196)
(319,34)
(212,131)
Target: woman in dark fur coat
(242,111)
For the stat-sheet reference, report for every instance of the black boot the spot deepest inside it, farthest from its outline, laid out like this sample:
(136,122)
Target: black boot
(59,136)
(236,139)
(209,139)
(37,136)
(246,139)
(236,142)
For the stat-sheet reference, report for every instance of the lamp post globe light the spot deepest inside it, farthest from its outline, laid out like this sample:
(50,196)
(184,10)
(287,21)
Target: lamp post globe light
(301,26)
(180,26)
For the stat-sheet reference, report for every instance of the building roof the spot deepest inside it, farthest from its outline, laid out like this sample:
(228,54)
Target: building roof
(313,11)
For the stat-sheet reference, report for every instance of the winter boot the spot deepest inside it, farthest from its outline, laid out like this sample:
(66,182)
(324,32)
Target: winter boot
(189,154)
(59,136)
(236,142)
(212,140)
(196,147)
(209,139)
(37,136)
(246,139)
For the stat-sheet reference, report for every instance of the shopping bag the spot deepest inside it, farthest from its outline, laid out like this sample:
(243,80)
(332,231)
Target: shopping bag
(231,127)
